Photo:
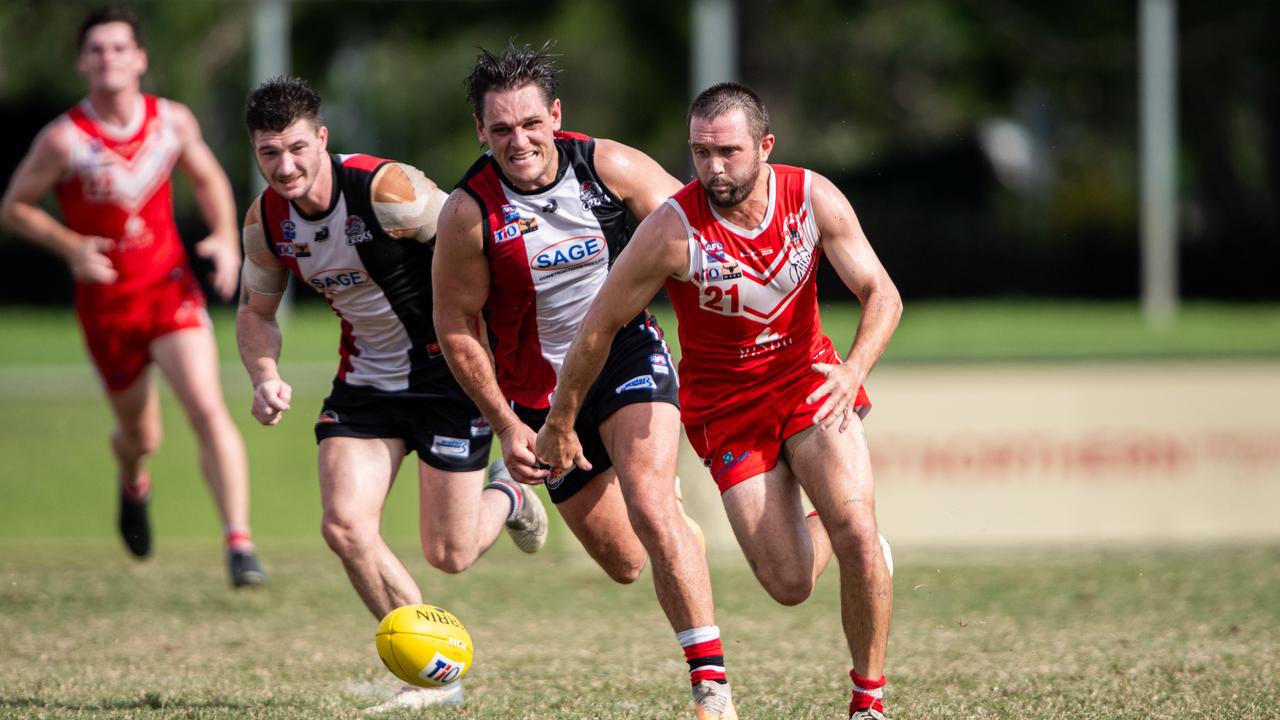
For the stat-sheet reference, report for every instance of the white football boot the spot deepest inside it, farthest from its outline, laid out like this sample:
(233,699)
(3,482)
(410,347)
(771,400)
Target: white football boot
(528,529)
(867,715)
(412,696)
(713,701)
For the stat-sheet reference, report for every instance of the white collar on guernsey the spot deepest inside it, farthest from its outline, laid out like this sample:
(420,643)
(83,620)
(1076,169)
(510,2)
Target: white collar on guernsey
(768,213)
(118,132)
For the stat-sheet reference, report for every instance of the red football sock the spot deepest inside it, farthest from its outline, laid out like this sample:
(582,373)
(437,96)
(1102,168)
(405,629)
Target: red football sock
(867,694)
(703,652)
(239,540)
(139,491)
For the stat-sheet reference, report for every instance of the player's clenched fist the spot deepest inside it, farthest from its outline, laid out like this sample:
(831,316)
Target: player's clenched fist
(89,262)
(270,399)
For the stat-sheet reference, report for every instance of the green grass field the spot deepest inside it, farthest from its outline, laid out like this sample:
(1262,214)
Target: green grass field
(1030,634)
(85,632)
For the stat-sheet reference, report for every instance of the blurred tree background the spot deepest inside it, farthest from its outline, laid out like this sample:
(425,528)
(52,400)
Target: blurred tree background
(990,146)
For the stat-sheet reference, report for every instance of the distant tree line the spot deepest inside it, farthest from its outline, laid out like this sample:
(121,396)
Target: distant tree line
(989,146)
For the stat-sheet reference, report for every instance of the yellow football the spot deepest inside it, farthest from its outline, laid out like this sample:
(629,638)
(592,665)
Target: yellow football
(424,645)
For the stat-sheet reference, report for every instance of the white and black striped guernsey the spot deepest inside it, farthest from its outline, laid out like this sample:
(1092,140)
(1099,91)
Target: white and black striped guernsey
(549,251)
(380,286)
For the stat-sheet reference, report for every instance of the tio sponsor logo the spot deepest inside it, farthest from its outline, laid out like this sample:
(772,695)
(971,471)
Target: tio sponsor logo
(568,253)
(510,231)
(441,670)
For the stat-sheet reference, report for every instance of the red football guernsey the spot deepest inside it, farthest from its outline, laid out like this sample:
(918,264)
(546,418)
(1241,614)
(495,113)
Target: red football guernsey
(747,308)
(117,186)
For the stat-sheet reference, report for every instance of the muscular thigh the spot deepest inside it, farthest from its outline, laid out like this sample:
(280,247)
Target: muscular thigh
(643,440)
(834,468)
(448,500)
(356,474)
(768,520)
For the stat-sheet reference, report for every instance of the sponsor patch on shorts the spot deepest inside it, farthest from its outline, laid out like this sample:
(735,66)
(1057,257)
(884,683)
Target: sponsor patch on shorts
(450,447)
(659,363)
(639,382)
(556,478)
(480,427)
(327,417)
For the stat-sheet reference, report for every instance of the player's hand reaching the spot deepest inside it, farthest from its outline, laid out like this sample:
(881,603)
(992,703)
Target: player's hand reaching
(560,448)
(226,263)
(517,451)
(270,399)
(841,391)
(90,264)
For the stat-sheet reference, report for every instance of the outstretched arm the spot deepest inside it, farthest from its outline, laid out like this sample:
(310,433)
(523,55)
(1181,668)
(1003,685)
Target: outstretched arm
(36,175)
(658,249)
(857,265)
(460,288)
(213,194)
(263,282)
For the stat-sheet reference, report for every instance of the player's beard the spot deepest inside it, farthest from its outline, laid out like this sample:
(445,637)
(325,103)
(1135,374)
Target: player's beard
(732,192)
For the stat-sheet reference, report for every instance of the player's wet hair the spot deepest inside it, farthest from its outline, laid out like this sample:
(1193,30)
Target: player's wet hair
(279,102)
(110,14)
(727,96)
(517,66)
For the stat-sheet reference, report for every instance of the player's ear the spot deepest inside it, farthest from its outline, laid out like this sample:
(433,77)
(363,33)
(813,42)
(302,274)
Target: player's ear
(766,146)
(479,129)
(323,134)
(142,61)
(555,114)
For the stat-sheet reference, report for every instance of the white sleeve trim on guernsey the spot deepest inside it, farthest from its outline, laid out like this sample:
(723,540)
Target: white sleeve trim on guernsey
(419,214)
(692,244)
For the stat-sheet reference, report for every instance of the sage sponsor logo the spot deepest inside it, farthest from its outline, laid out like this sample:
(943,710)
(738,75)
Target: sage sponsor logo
(569,253)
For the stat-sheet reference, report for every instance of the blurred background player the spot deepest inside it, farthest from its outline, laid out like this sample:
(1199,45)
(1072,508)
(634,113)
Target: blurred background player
(110,159)
(525,242)
(360,230)
(766,401)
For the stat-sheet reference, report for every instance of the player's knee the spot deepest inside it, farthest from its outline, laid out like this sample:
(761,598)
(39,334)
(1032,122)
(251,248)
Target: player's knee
(625,573)
(448,557)
(136,441)
(345,536)
(788,588)
(207,417)
(624,567)
(855,543)
(653,520)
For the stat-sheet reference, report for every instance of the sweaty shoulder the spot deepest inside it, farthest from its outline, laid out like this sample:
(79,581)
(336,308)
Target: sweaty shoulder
(633,176)
(55,139)
(664,240)
(184,121)
(461,219)
(254,237)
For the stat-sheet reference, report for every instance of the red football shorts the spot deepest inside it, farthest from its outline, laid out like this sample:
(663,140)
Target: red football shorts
(119,327)
(747,441)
